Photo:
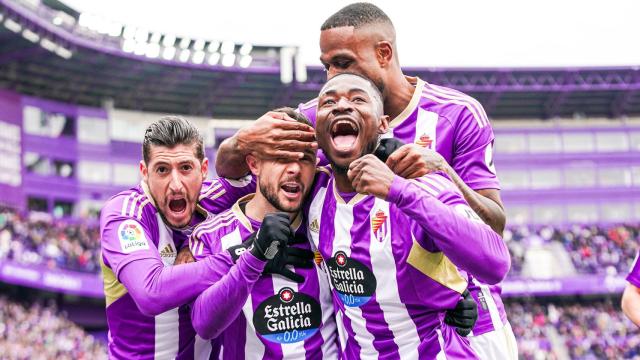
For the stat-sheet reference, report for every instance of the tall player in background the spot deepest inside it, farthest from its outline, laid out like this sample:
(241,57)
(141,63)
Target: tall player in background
(392,246)
(631,295)
(266,316)
(449,128)
(141,231)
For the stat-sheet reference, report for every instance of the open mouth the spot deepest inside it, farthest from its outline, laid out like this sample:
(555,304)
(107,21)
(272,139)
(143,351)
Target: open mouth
(344,134)
(291,189)
(177,205)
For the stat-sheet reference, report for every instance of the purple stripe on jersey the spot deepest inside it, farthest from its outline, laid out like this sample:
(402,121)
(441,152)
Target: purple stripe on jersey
(372,313)
(233,340)
(136,332)
(187,334)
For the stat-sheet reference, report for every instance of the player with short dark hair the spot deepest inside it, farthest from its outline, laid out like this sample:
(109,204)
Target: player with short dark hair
(141,231)
(254,311)
(392,246)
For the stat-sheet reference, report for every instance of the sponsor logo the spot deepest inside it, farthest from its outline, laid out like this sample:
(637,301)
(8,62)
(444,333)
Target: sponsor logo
(378,225)
(287,317)
(352,280)
(424,141)
(314,226)
(132,237)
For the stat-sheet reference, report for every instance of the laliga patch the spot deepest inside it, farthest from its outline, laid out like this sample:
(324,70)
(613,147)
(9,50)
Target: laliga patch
(353,281)
(287,317)
(132,237)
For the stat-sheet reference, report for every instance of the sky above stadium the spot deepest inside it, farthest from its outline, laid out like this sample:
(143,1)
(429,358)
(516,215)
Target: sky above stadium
(488,33)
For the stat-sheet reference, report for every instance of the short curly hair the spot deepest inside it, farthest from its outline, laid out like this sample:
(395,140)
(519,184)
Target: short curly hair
(356,15)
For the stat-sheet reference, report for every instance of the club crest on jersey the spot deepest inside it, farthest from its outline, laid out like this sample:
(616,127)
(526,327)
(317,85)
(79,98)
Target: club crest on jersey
(287,317)
(132,237)
(352,280)
(379,225)
(314,226)
(425,141)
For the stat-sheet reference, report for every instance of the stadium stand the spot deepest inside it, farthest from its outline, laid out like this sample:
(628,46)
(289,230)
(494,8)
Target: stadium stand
(41,331)
(74,103)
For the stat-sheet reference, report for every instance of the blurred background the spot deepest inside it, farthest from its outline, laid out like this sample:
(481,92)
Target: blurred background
(81,80)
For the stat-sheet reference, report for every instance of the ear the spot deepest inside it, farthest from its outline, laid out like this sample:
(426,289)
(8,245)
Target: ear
(384,53)
(383,127)
(144,171)
(204,168)
(254,164)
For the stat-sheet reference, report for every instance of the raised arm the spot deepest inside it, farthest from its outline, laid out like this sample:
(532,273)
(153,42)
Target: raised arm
(443,215)
(274,134)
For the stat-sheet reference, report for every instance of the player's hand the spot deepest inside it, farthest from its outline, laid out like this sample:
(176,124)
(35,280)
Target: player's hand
(387,147)
(184,256)
(369,175)
(463,317)
(411,161)
(273,235)
(291,256)
(276,135)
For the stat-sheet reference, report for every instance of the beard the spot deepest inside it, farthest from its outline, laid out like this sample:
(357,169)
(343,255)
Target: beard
(164,218)
(272,198)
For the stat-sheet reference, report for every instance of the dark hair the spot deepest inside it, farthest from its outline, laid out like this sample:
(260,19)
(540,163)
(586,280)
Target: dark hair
(171,131)
(295,115)
(376,88)
(356,15)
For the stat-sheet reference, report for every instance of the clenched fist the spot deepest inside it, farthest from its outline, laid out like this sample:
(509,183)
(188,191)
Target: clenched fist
(412,161)
(369,175)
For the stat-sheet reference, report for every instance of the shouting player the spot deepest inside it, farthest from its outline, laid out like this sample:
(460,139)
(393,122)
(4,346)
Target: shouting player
(450,130)
(393,247)
(266,316)
(141,231)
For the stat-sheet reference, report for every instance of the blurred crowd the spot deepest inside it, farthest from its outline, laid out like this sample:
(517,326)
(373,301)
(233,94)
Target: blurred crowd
(589,331)
(39,331)
(39,239)
(593,249)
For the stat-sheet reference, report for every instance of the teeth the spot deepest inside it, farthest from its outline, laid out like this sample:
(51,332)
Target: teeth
(338,123)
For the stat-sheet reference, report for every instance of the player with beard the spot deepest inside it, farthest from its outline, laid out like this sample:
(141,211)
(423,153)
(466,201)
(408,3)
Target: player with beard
(397,250)
(141,230)
(445,130)
(258,315)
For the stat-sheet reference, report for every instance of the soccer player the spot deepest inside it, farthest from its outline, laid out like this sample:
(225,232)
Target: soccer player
(392,246)
(141,231)
(450,129)
(266,316)
(631,295)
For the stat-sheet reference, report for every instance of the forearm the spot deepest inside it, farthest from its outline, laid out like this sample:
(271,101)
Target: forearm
(218,306)
(490,211)
(631,303)
(156,288)
(470,245)
(230,159)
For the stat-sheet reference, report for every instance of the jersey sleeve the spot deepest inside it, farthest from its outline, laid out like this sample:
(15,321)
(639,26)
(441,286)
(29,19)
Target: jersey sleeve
(473,149)
(448,223)
(309,109)
(127,232)
(634,275)
(200,243)
(220,194)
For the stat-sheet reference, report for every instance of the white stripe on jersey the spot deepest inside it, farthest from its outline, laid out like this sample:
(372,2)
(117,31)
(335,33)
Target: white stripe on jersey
(426,124)
(454,101)
(202,348)
(133,204)
(214,223)
(328,329)
(491,305)
(426,187)
(383,265)
(343,223)
(167,334)
(125,204)
(292,350)
(212,188)
(441,355)
(253,347)
(231,239)
(141,207)
(446,92)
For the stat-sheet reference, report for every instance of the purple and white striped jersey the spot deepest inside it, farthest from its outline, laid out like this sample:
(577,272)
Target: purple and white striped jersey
(272,316)
(390,278)
(634,273)
(132,229)
(456,126)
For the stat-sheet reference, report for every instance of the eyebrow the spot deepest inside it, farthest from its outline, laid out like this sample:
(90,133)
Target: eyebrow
(352,90)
